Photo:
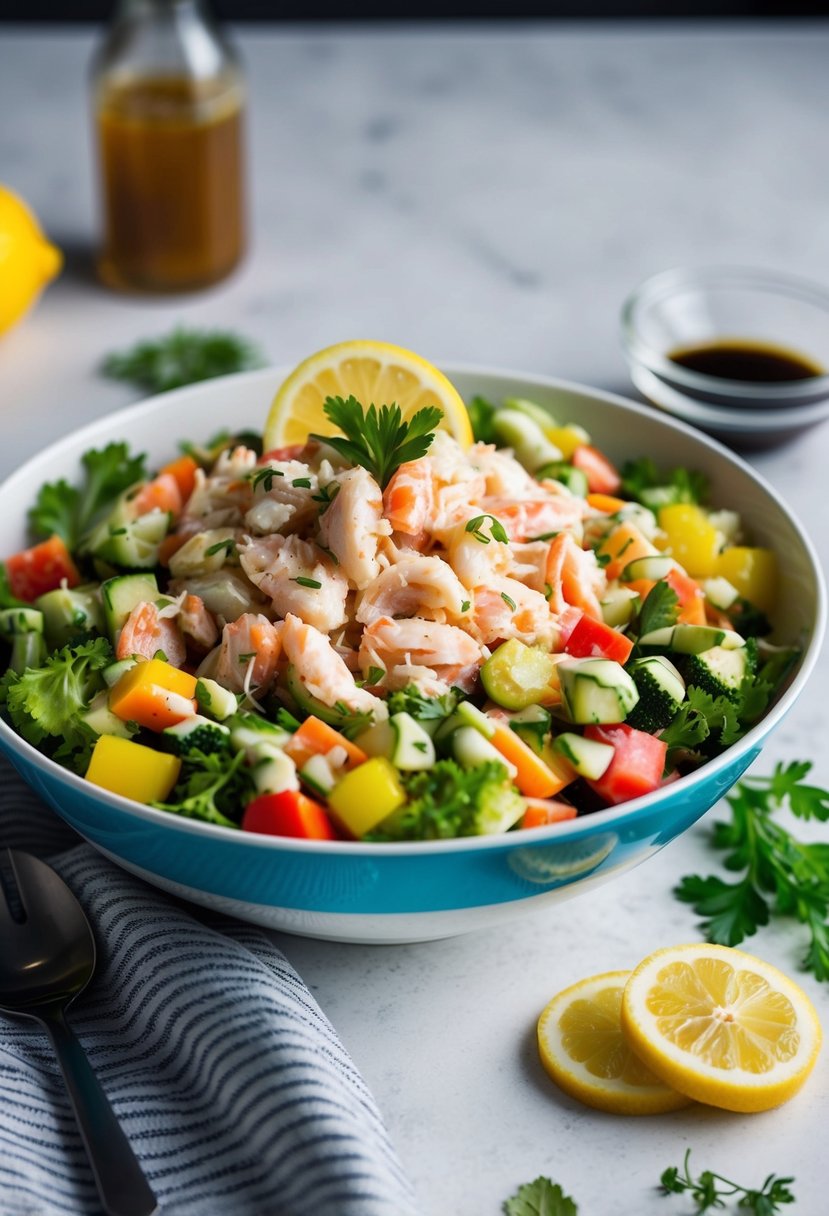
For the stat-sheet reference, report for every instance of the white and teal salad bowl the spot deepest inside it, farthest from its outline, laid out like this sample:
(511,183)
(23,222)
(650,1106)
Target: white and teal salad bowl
(407,892)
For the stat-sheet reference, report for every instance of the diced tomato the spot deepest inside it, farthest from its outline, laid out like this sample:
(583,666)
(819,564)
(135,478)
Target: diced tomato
(602,476)
(184,472)
(33,572)
(566,622)
(691,598)
(542,811)
(288,814)
(637,765)
(290,452)
(160,494)
(594,639)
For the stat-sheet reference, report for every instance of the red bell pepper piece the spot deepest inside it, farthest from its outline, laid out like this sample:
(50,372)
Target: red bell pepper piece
(33,572)
(602,476)
(593,639)
(288,814)
(542,811)
(637,765)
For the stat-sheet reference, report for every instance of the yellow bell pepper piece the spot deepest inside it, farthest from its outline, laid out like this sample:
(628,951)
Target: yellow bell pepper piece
(366,795)
(753,572)
(692,539)
(567,438)
(133,770)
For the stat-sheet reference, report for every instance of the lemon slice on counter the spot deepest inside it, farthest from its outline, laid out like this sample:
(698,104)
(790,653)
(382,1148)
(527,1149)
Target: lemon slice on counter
(376,373)
(582,1048)
(721,1026)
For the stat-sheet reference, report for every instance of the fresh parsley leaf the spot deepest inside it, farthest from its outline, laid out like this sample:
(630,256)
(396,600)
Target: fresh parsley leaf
(481,413)
(264,478)
(660,608)
(497,530)
(709,1190)
(211,787)
(781,875)
(70,511)
(510,603)
(228,545)
(379,440)
(412,701)
(184,356)
(540,1198)
(704,723)
(447,801)
(46,703)
(374,675)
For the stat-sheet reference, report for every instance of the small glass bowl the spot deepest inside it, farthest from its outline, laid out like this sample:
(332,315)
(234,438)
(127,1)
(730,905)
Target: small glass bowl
(689,307)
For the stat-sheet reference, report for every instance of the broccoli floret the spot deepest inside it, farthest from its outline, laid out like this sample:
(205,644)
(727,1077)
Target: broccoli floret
(447,801)
(211,787)
(661,692)
(198,734)
(721,672)
(47,702)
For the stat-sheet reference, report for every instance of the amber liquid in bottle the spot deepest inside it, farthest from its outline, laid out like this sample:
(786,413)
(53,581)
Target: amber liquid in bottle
(171,163)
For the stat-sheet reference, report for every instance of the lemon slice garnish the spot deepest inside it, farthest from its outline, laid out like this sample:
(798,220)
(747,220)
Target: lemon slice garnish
(376,373)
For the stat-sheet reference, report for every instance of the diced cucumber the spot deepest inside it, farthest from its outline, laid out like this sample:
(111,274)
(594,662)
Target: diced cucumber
(531,409)
(123,593)
(215,700)
(198,733)
(661,692)
(273,771)
(68,611)
(14,621)
(619,606)
(522,433)
(720,593)
(250,733)
(113,673)
(589,757)
(134,544)
(532,725)
(470,715)
(574,479)
(413,749)
(653,568)
(691,639)
(720,671)
(226,594)
(318,775)
(100,718)
(378,740)
(335,715)
(28,650)
(516,675)
(471,749)
(596,690)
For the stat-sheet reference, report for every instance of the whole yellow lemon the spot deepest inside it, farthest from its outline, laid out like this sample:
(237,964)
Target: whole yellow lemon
(27,260)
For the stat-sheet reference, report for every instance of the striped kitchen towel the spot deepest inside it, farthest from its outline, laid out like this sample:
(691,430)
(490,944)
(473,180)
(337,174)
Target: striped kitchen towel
(231,1084)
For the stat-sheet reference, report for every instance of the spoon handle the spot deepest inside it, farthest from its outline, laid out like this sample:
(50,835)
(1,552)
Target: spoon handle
(123,1189)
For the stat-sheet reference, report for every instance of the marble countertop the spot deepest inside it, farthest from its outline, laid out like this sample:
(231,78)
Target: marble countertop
(490,195)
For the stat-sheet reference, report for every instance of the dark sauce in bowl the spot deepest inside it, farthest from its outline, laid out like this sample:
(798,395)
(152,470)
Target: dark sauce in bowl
(741,359)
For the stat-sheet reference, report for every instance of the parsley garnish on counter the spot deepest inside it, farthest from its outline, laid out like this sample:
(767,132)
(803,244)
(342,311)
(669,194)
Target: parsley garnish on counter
(540,1198)
(707,1194)
(781,875)
(183,357)
(379,440)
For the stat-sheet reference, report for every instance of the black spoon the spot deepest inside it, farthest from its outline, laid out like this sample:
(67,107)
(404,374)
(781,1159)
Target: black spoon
(47,957)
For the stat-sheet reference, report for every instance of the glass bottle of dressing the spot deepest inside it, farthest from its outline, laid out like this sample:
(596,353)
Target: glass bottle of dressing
(169,98)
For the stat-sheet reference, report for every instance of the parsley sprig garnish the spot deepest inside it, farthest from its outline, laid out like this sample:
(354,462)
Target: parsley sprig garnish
(379,439)
(781,875)
(710,1190)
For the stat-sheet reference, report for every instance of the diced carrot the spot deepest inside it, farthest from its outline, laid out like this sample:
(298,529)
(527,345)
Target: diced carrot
(691,598)
(184,471)
(160,494)
(154,694)
(289,813)
(642,586)
(542,811)
(624,544)
(602,476)
(170,545)
(33,572)
(534,778)
(315,738)
(605,502)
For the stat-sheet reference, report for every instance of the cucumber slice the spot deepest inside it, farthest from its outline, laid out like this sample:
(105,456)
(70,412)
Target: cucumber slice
(531,409)
(720,671)
(661,692)
(215,700)
(653,568)
(318,775)
(413,749)
(522,433)
(335,715)
(619,607)
(251,734)
(691,639)
(273,771)
(596,690)
(588,757)
(470,715)
(14,621)
(574,479)
(720,593)
(28,650)
(100,718)
(134,544)
(471,749)
(516,675)
(68,611)
(123,593)
(378,740)
(533,726)
(113,673)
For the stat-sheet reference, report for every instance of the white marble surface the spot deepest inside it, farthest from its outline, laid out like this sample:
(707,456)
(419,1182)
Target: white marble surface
(484,195)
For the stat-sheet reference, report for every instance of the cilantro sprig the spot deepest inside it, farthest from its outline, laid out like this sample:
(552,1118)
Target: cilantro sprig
(780,874)
(379,439)
(69,510)
(710,1190)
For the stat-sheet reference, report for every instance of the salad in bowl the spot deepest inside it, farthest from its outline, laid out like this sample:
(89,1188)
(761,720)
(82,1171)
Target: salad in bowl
(414,620)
